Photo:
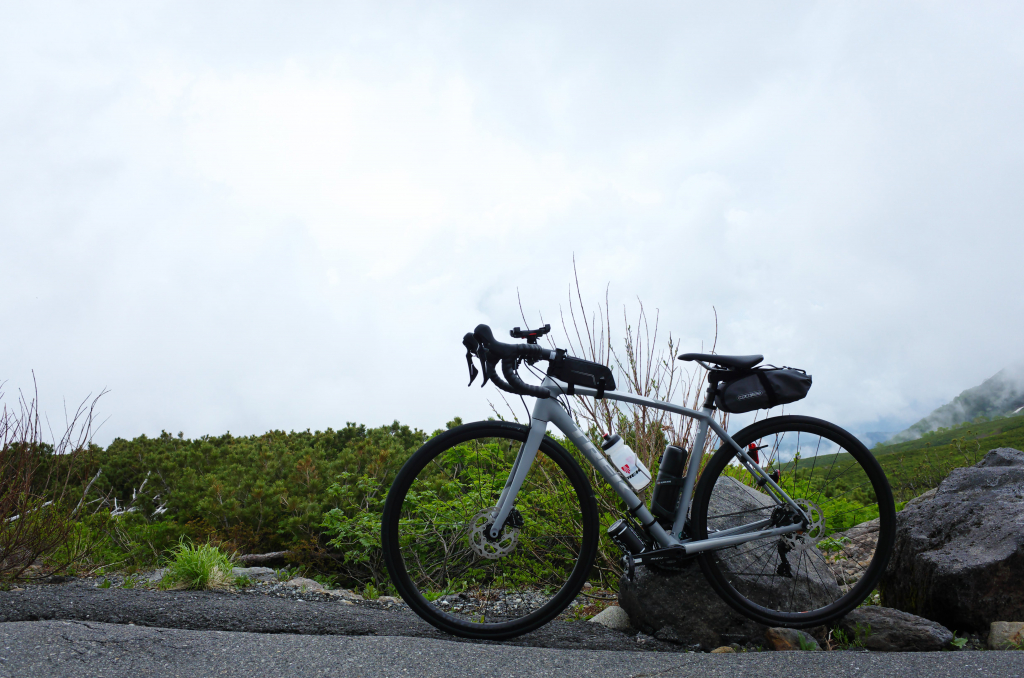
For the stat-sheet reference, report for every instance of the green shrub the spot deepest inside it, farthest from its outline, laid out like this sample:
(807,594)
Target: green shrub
(287,573)
(197,567)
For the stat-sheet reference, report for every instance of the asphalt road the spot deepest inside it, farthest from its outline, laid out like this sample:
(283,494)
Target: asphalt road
(87,649)
(263,614)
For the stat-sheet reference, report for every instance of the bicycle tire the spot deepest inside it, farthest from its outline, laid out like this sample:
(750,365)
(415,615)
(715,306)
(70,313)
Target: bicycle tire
(755,577)
(480,589)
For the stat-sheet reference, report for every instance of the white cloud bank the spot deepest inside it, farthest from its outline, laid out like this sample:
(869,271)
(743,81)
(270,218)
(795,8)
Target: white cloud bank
(259,216)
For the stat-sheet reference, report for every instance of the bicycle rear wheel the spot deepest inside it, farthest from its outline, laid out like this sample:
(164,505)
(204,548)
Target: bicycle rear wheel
(435,533)
(815,576)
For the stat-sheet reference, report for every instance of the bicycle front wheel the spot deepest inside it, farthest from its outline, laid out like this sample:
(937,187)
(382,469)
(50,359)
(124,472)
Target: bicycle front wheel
(436,540)
(805,578)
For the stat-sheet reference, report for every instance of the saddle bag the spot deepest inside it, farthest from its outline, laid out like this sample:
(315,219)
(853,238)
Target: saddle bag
(579,372)
(762,388)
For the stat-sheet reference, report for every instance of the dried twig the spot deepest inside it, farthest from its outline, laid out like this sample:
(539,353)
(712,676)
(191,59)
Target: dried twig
(37,529)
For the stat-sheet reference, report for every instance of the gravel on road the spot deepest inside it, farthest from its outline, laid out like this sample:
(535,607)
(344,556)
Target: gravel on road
(76,648)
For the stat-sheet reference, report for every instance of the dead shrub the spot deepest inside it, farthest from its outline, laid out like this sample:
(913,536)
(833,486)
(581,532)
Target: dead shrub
(39,492)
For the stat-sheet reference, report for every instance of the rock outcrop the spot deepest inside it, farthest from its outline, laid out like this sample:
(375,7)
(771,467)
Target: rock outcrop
(612,617)
(959,555)
(681,607)
(255,573)
(790,640)
(886,630)
(1005,635)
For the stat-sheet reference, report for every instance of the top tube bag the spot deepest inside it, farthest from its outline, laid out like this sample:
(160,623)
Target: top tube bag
(579,372)
(762,388)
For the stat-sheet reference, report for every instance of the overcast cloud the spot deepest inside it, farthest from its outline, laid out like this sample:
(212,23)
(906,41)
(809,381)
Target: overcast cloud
(253,216)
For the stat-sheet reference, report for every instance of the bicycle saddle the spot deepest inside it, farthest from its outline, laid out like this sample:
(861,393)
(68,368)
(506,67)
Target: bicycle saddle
(736,362)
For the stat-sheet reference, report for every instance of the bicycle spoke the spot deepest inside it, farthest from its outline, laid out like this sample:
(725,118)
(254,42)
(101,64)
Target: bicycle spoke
(489,581)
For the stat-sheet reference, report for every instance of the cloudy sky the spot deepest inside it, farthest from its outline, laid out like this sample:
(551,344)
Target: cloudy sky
(253,216)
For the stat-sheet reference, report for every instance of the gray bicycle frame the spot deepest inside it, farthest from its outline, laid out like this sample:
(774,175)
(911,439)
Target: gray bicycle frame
(549,411)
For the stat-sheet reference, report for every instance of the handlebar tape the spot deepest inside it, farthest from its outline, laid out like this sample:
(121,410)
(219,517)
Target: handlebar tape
(508,354)
(483,334)
(508,368)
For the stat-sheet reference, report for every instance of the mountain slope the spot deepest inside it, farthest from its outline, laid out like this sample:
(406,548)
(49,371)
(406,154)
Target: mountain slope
(999,395)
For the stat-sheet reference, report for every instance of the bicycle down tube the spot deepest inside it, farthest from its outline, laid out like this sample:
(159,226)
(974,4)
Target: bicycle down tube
(548,410)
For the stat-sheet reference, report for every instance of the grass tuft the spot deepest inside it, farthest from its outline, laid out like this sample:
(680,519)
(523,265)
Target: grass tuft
(197,567)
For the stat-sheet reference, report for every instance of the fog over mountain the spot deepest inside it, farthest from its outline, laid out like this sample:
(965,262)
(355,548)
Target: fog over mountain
(1000,395)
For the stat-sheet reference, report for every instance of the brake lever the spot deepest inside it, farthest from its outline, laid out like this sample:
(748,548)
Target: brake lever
(488,366)
(472,368)
(473,347)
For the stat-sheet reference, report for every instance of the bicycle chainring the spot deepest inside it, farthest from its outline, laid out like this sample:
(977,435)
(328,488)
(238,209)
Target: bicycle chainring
(480,539)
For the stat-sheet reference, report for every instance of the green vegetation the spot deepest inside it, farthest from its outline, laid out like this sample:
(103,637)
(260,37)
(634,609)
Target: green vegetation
(844,642)
(916,466)
(197,567)
(805,644)
(319,497)
(1004,431)
(316,495)
(254,494)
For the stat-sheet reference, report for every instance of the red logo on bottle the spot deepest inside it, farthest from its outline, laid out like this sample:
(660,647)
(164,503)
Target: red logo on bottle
(625,468)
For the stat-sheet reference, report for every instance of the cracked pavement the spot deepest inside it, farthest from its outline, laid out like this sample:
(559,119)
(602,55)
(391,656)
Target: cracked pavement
(79,630)
(77,648)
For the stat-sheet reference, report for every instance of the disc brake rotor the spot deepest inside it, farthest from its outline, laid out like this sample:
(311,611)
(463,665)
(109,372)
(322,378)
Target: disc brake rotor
(482,544)
(814,531)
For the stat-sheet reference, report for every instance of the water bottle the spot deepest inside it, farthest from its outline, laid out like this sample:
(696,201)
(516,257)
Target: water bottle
(669,483)
(626,463)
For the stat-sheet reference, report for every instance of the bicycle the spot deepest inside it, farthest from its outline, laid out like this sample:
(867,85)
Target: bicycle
(491,529)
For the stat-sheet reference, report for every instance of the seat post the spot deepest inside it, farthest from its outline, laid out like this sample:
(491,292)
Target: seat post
(709,396)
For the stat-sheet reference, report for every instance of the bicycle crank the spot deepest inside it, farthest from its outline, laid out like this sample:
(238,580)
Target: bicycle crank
(659,558)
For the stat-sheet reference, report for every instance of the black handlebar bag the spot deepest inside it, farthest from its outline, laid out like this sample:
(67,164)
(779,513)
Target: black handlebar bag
(762,388)
(579,372)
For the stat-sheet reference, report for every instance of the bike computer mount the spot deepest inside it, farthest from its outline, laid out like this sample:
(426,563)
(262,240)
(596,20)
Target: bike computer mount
(531,336)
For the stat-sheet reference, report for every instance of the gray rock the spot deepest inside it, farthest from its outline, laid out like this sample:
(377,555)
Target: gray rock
(858,546)
(1005,635)
(884,629)
(613,617)
(304,584)
(958,555)
(790,640)
(254,573)
(682,606)
(927,496)
(157,576)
